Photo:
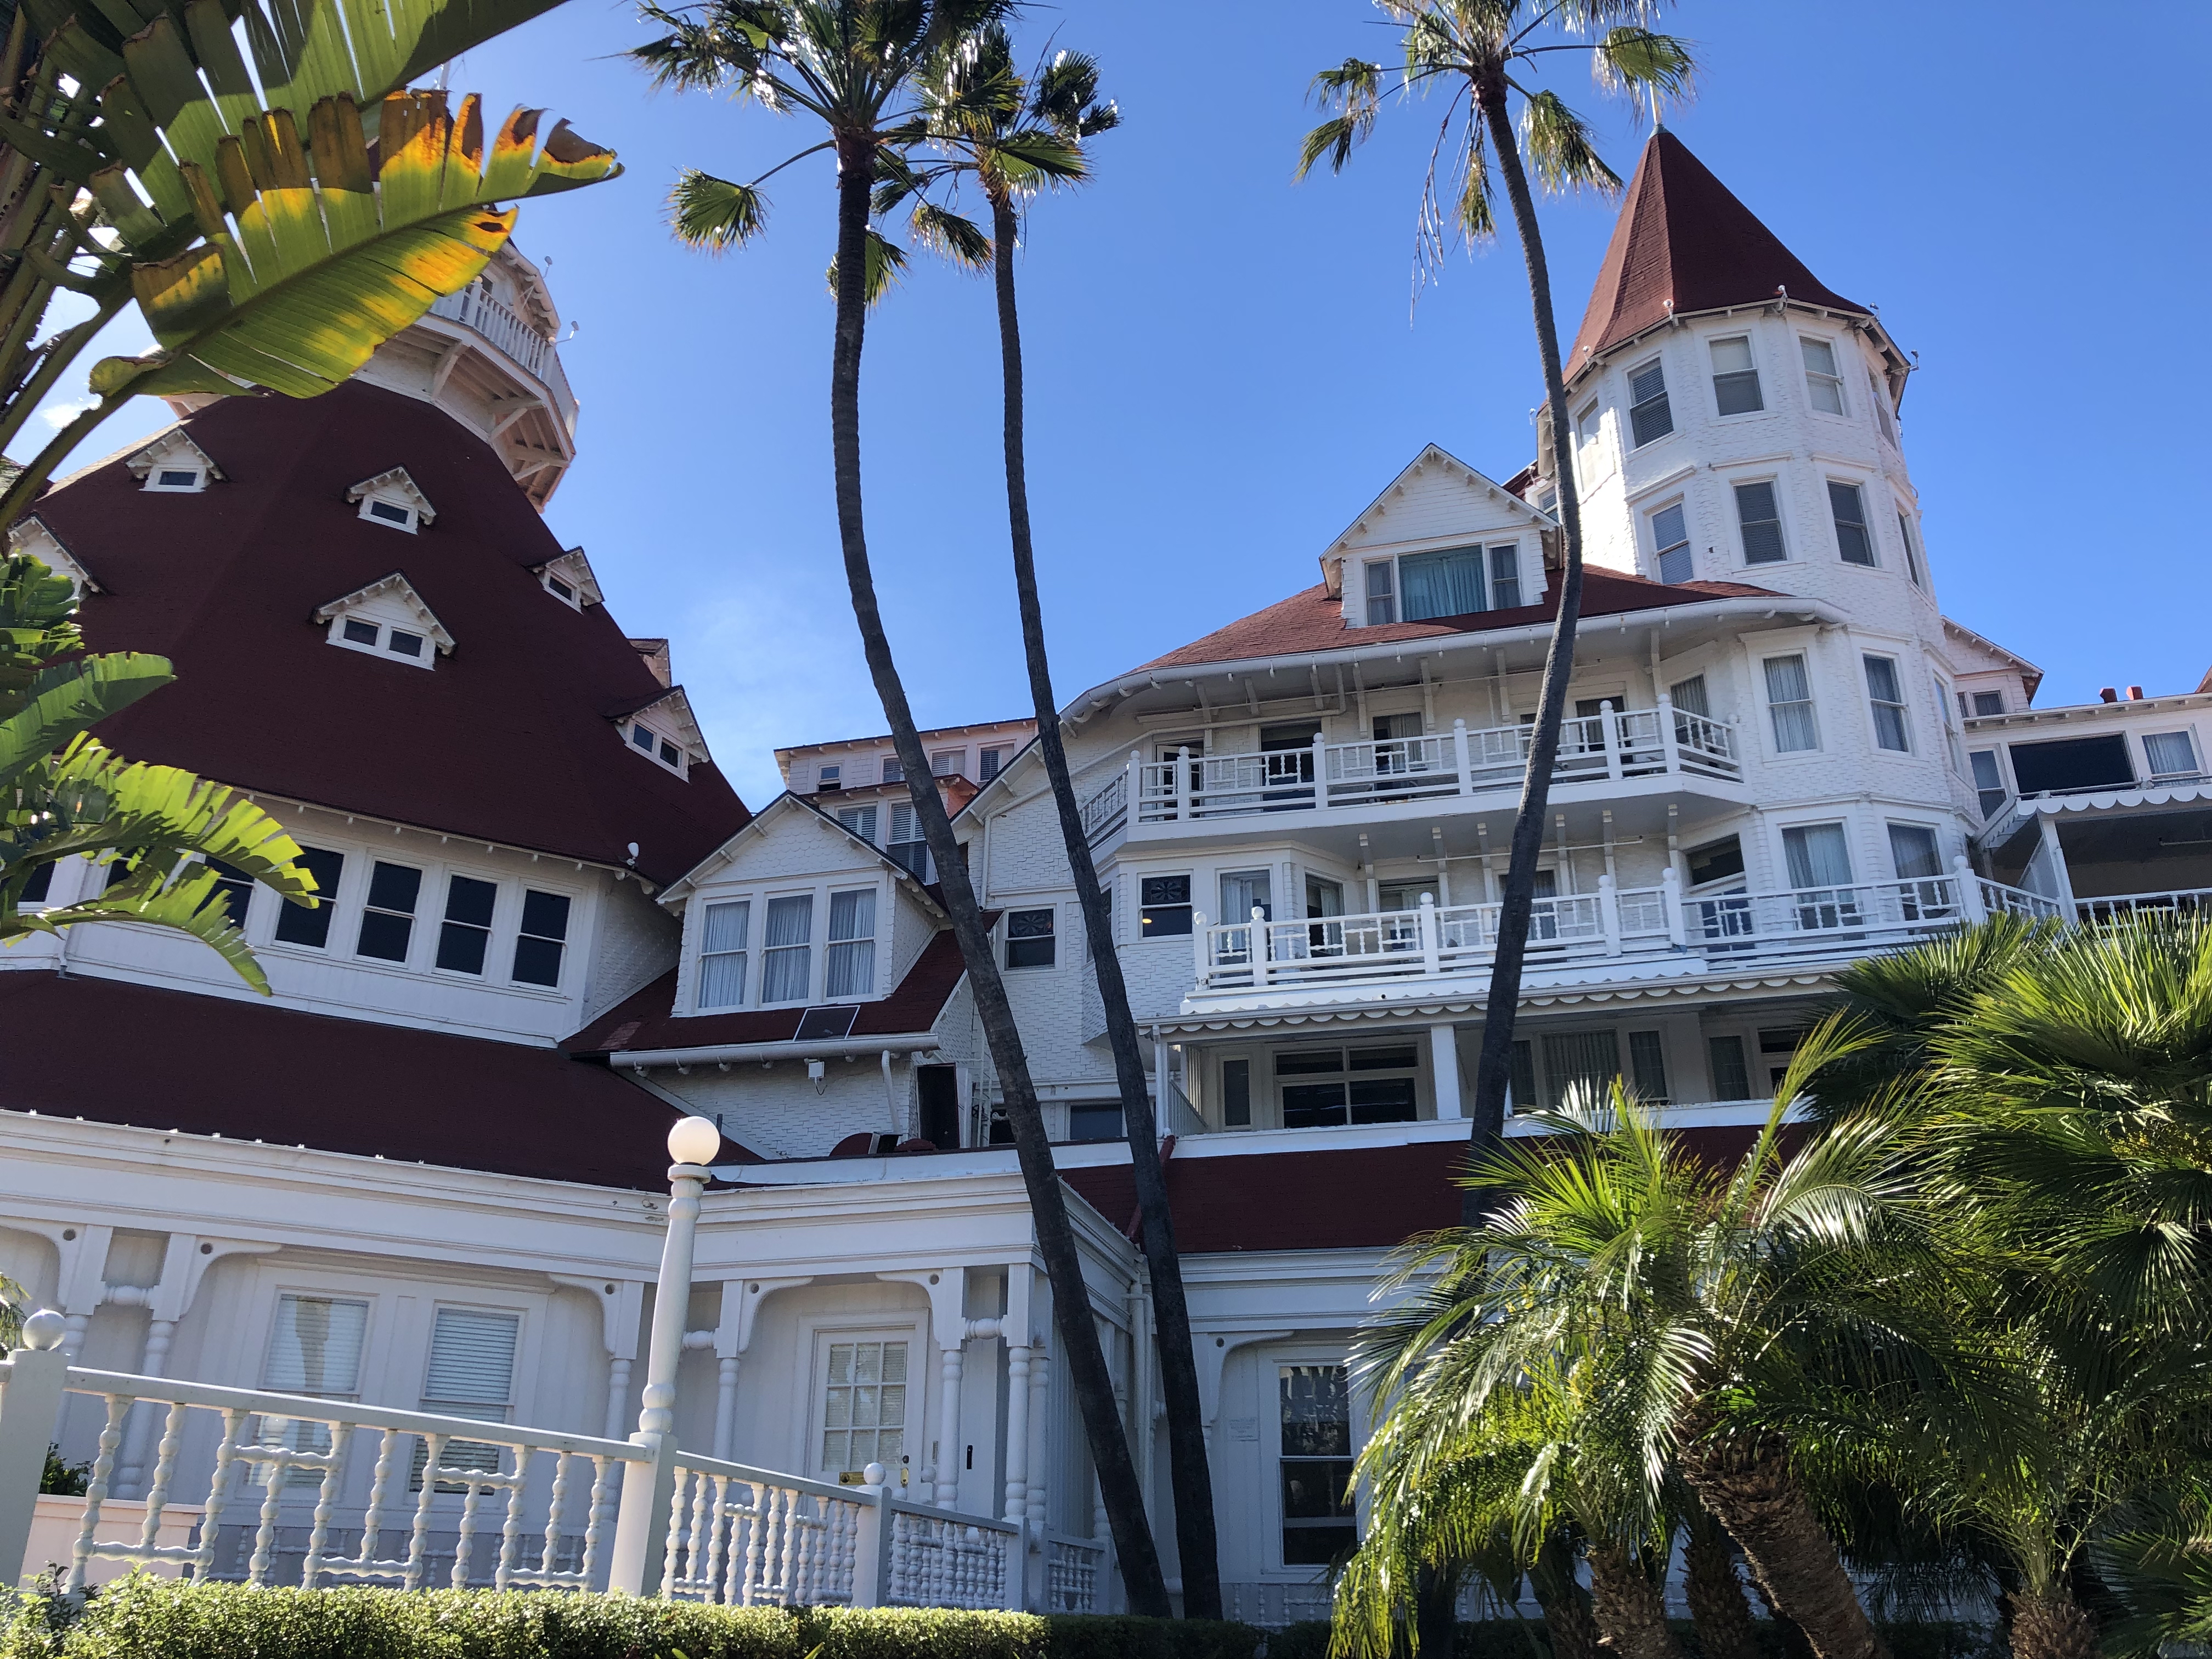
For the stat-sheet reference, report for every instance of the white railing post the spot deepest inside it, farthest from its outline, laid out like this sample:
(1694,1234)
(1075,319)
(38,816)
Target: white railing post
(1183,783)
(1971,904)
(1669,741)
(634,1566)
(1321,770)
(38,1375)
(1466,757)
(872,1538)
(1200,950)
(1608,727)
(1609,913)
(1135,805)
(1255,952)
(1670,897)
(1433,960)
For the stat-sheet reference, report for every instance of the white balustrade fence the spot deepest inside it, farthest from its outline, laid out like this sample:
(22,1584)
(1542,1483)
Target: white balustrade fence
(2180,902)
(476,309)
(1071,1570)
(296,1489)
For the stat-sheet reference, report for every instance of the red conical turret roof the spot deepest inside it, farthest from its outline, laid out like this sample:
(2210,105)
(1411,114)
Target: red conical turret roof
(1684,244)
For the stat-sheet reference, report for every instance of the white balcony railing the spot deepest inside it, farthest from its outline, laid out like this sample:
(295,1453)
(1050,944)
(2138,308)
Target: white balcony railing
(1610,745)
(476,309)
(1434,941)
(2184,901)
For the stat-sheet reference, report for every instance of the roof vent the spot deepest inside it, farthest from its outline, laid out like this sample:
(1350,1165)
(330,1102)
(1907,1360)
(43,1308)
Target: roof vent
(2107,693)
(2134,694)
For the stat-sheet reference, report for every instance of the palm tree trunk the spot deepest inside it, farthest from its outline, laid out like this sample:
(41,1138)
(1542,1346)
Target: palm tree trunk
(1494,1069)
(1749,1490)
(1188,1472)
(1566,1605)
(1078,1329)
(1718,1606)
(2052,1627)
(1631,1613)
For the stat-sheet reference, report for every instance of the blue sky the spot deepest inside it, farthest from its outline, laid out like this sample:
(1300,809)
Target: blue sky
(1223,368)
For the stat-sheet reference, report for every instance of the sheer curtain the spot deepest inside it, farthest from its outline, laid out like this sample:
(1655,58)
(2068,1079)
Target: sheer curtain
(786,963)
(1244,891)
(722,955)
(1441,584)
(1817,855)
(852,965)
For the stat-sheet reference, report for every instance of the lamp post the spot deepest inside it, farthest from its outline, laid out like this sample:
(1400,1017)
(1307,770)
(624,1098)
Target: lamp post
(642,1523)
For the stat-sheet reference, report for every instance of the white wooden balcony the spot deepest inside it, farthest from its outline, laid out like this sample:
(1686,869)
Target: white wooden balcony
(1612,746)
(1591,931)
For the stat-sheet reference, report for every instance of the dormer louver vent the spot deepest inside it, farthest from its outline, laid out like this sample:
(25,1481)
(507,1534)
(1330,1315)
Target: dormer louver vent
(173,465)
(387,618)
(392,500)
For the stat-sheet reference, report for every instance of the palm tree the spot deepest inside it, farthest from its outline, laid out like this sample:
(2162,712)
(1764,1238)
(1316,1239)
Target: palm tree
(64,794)
(1690,1309)
(282,274)
(1014,136)
(1483,53)
(855,66)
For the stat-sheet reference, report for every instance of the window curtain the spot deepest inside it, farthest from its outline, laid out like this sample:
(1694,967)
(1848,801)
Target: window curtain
(851,962)
(1581,1066)
(1817,855)
(1912,849)
(1441,584)
(722,955)
(1790,701)
(1244,891)
(787,970)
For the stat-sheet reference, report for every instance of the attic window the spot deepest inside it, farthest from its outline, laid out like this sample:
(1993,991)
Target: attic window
(390,619)
(569,579)
(656,746)
(177,480)
(397,515)
(356,634)
(173,465)
(561,591)
(392,500)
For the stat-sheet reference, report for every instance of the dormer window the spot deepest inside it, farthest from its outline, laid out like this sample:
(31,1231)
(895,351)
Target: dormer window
(664,731)
(561,591)
(173,465)
(647,741)
(31,536)
(392,500)
(829,777)
(569,579)
(389,619)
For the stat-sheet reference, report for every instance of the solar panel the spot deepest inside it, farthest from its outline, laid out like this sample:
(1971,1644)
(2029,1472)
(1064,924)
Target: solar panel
(825,1024)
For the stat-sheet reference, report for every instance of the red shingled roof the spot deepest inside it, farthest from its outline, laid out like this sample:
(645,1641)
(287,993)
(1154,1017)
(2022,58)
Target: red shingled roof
(509,740)
(1360,1198)
(1312,621)
(1684,242)
(646,1019)
(244,1070)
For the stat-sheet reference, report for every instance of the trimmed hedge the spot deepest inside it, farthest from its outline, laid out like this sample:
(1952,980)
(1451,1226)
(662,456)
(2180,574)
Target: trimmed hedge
(1510,1638)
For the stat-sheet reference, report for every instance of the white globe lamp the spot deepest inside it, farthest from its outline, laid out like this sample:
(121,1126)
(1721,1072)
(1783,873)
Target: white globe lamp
(695,1140)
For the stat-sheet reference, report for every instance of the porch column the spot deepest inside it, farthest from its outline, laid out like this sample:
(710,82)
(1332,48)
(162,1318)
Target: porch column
(1016,1330)
(948,1449)
(1443,1060)
(2046,827)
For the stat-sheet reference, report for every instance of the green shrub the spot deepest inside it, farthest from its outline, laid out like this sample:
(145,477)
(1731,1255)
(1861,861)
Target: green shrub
(922,1633)
(1086,1636)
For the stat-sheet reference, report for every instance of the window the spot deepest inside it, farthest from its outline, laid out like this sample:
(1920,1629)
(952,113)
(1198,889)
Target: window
(1758,520)
(1731,1076)
(357,635)
(788,961)
(1824,387)
(1688,696)
(2170,754)
(233,890)
(1817,856)
(1237,1094)
(1647,1067)
(563,592)
(1988,702)
(541,940)
(1589,432)
(989,763)
(829,777)
(894,770)
(176,480)
(1030,938)
(1505,577)
(1717,861)
(2069,764)
(1913,852)
(1886,700)
(1649,416)
(40,884)
(466,930)
(722,954)
(906,847)
(1363,1085)
(1095,1120)
(1164,906)
(1881,414)
(861,821)
(654,744)
(1990,791)
(394,514)
(1789,704)
(315,1350)
(1847,507)
(1319,1522)
(1950,726)
(1736,377)
(863,1408)
(1382,592)
(1446,584)
(852,960)
(296,923)
(1243,891)
(1521,1082)
(1670,541)
(470,1374)
(360,632)
(1579,1067)
(1911,552)
(387,921)
(946,762)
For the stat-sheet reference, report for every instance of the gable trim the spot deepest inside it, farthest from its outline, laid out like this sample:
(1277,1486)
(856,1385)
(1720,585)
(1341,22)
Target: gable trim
(398,587)
(674,895)
(1431,455)
(395,482)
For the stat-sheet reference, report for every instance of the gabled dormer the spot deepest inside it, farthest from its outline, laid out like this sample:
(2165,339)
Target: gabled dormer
(173,465)
(387,618)
(1443,540)
(392,500)
(663,731)
(569,579)
(33,536)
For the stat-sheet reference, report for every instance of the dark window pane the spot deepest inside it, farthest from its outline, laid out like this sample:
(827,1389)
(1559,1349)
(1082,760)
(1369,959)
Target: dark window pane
(385,936)
(1396,1058)
(469,901)
(387,924)
(461,948)
(234,889)
(1383,1100)
(536,961)
(2072,764)
(1316,1546)
(387,512)
(1165,906)
(1313,1105)
(1731,1079)
(394,887)
(545,915)
(1717,861)
(1095,1120)
(1029,938)
(671,754)
(406,644)
(40,884)
(1309,1062)
(1760,520)
(1738,394)
(173,479)
(467,931)
(296,923)
(361,633)
(1236,1091)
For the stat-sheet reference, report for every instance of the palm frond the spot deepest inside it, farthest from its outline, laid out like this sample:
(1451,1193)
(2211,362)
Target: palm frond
(951,236)
(1557,144)
(715,214)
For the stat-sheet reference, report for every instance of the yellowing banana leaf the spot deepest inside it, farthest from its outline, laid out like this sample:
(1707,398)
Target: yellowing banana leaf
(316,253)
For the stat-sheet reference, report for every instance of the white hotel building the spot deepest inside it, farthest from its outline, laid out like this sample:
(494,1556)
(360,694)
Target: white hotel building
(429,1172)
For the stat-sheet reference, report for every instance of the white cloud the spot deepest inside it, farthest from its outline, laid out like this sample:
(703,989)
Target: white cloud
(58,416)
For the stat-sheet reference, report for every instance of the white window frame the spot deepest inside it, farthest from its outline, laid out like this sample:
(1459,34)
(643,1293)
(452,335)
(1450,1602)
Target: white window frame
(1834,380)
(1589,442)
(1773,482)
(381,647)
(1811,701)
(1857,487)
(2188,735)
(1714,372)
(811,1365)
(197,483)
(873,938)
(938,759)
(1271,1363)
(1903,706)
(681,765)
(409,520)
(817,923)
(1666,392)
(1915,553)
(1370,599)
(1680,503)
(748,977)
